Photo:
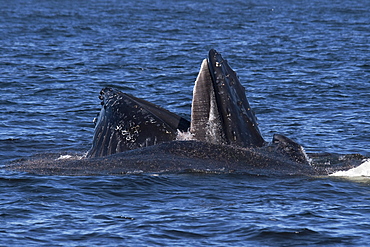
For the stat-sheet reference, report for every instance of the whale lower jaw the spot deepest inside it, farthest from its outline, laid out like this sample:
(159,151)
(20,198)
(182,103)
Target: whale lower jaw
(126,123)
(173,157)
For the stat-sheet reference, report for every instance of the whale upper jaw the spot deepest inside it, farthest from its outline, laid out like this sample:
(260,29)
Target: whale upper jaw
(221,113)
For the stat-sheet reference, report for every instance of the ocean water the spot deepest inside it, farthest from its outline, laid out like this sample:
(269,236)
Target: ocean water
(306,70)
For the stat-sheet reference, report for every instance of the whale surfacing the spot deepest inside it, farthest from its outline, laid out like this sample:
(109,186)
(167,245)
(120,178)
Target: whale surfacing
(133,135)
(220,115)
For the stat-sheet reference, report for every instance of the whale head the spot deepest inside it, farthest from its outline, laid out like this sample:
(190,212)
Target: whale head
(221,113)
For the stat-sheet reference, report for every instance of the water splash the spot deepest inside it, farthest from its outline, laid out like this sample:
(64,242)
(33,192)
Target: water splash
(70,157)
(362,170)
(184,136)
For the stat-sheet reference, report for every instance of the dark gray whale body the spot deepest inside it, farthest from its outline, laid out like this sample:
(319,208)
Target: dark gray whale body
(133,135)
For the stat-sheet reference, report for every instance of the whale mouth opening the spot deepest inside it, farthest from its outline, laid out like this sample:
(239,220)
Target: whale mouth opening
(220,115)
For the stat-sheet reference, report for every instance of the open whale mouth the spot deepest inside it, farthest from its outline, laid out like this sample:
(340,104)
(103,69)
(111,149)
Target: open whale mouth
(220,114)
(220,110)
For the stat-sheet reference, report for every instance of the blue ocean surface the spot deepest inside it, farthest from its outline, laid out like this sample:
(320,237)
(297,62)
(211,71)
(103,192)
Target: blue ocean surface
(306,69)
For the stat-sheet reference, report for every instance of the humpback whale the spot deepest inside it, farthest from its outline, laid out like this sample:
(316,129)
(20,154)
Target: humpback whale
(133,135)
(220,115)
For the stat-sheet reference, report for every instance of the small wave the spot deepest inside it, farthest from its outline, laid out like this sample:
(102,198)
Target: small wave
(362,170)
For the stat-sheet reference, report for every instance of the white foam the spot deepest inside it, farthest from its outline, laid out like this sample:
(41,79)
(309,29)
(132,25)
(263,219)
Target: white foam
(184,136)
(65,157)
(362,170)
(69,157)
